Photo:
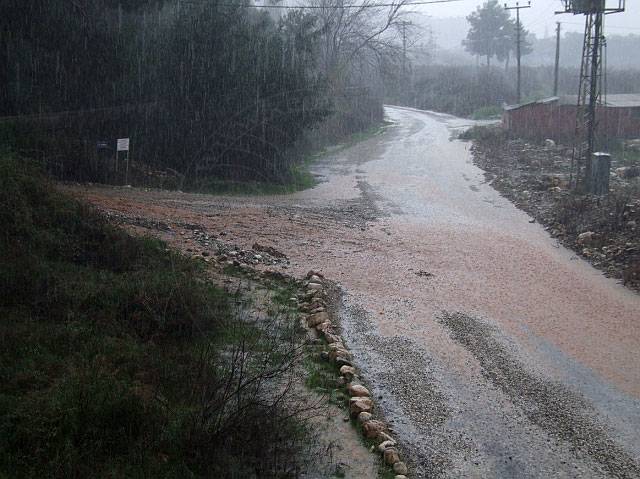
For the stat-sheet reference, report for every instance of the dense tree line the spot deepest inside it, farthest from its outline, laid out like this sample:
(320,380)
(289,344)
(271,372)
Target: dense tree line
(203,88)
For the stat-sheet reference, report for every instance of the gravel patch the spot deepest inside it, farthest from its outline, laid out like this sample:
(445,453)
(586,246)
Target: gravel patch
(562,413)
(406,386)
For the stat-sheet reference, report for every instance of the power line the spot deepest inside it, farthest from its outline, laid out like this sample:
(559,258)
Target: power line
(317,7)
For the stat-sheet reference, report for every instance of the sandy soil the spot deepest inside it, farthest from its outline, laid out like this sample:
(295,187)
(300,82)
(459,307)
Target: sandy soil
(495,352)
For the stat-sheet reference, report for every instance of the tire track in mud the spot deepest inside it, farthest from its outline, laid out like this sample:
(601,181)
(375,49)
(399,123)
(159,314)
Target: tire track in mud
(562,413)
(404,380)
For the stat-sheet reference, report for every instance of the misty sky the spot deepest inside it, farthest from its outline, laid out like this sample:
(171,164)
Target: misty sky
(540,18)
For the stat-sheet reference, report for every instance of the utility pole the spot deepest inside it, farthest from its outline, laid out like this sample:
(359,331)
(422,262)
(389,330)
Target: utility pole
(594,97)
(404,24)
(589,88)
(518,39)
(404,49)
(557,68)
(405,79)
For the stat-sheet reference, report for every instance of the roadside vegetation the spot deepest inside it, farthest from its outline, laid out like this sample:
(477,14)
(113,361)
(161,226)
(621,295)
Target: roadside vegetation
(214,97)
(299,176)
(121,358)
(487,113)
(535,176)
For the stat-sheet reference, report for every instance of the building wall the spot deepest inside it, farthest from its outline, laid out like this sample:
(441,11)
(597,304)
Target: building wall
(558,121)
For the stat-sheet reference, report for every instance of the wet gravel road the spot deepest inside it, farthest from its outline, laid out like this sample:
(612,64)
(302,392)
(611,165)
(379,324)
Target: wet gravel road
(494,351)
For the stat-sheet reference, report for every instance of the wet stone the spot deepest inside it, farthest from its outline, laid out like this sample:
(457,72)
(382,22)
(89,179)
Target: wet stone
(391,456)
(358,390)
(400,468)
(372,428)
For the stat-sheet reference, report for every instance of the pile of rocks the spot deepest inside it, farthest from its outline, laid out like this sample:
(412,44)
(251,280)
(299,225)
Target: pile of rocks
(237,256)
(361,405)
(121,219)
(209,244)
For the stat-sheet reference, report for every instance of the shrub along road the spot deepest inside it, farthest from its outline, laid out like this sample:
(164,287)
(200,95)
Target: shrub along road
(494,351)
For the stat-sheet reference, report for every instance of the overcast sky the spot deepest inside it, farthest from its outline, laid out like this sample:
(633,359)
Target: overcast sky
(540,18)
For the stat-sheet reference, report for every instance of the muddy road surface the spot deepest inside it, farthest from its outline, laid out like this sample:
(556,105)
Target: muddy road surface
(493,351)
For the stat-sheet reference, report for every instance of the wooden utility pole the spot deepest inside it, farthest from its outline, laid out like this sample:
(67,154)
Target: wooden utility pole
(518,40)
(557,68)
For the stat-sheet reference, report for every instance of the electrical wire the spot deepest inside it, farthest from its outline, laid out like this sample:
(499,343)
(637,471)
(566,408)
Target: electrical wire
(316,7)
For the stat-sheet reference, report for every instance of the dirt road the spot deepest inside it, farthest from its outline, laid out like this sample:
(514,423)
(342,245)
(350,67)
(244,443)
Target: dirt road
(495,352)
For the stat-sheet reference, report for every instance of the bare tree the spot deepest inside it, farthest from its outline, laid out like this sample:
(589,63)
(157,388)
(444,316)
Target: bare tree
(356,35)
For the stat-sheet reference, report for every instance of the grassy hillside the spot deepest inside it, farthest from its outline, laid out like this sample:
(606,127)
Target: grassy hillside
(118,358)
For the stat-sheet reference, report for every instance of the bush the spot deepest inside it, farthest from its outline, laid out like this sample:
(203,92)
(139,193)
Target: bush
(487,134)
(487,112)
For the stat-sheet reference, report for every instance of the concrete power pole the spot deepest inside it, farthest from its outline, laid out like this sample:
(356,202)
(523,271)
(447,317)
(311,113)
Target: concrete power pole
(404,49)
(405,77)
(589,89)
(518,40)
(557,67)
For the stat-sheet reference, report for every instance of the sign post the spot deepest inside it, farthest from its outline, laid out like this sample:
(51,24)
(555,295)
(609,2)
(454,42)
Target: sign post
(103,154)
(122,144)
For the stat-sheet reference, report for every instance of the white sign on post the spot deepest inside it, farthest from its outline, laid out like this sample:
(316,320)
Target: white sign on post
(122,144)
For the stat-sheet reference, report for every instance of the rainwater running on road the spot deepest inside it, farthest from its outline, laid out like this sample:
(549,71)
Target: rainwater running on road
(492,350)
(497,352)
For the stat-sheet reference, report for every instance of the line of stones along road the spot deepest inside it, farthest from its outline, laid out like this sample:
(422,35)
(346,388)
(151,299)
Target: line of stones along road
(361,405)
(312,302)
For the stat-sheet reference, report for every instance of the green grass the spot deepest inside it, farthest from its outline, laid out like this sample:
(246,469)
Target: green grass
(298,177)
(484,133)
(623,156)
(321,374)
(385,472)
(116,353)
(368,133)
(487,113)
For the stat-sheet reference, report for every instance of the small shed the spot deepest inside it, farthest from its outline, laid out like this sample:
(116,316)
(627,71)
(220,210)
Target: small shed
(618,116)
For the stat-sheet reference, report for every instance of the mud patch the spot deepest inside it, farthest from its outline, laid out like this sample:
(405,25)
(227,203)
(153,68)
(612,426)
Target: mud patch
(562,413)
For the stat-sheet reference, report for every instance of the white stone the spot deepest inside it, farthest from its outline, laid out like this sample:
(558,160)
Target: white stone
(358,405)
